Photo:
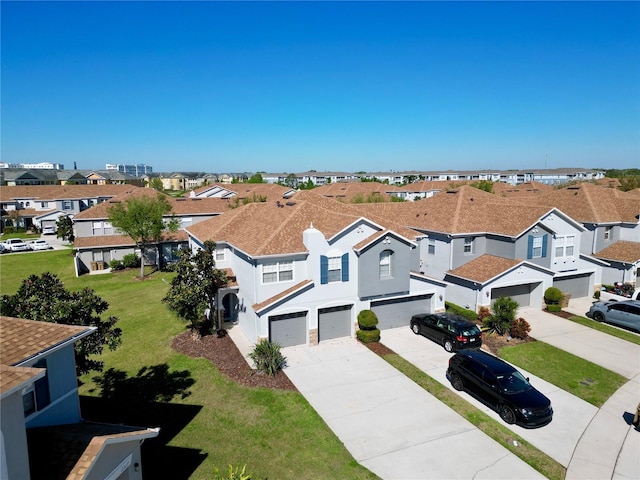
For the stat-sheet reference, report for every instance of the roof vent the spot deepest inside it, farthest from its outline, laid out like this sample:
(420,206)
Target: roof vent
(291,204)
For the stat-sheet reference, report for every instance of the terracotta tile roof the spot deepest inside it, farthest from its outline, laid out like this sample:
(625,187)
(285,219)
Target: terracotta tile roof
(259,306)
(123,240)
(274,228)
(62,192)
(180,206)
(589,203)
(13,377)
(461,211)
(349,190)
(20,339)
(69,451)
(484,268)
(622,251)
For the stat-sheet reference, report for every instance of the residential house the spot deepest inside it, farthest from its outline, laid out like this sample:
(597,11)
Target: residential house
(41,205)
(36,176)
(42,433)
(97,243)
(243,192)
(609,216)
(304,268)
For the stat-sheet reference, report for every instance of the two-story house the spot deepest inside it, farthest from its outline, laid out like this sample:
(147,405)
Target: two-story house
(42,433)
(303,269)
(96,242)
(244,192)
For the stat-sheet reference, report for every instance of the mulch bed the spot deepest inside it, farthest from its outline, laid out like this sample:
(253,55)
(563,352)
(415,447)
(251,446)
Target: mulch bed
(224,354)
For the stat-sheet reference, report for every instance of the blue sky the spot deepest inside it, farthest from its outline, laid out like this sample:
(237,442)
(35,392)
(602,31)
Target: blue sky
(328,86)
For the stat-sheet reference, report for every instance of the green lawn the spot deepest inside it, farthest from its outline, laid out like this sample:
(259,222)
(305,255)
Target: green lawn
(576,375)
(211,422)
(608,329)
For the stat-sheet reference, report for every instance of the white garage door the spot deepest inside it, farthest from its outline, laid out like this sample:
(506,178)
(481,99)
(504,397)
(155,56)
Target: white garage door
(289,329)
(519,293)
(577,285)
(397,312)
(334,322)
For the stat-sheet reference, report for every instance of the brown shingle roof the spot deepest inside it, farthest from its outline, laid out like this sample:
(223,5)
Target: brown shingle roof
(20,339)
(521,190)
(348,191)
(12,377)
(484,268)
(62,192)
(258,306)
(622,251)
(123,240)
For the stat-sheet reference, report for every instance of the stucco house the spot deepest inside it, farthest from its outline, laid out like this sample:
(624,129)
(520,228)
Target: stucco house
(303,269)
(96,242)
(42,433)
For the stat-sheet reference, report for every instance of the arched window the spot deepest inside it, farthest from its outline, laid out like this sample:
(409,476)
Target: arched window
(385,263)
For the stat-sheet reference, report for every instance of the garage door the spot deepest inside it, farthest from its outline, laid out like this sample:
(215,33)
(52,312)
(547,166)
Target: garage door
(334,322)
(397,312)
(519,293)
(577,285)
(289,329)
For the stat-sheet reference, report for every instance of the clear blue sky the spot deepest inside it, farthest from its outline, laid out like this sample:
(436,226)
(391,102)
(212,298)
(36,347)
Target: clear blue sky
(328,86)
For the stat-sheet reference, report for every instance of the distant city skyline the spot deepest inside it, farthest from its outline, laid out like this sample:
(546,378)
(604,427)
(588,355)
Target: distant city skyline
(326,86)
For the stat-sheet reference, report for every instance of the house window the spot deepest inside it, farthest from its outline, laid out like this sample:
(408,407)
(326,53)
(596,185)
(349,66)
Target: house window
(431,247)
(220,255)
(186,221)
(108,228)
(334,268)
(385,263)
(607,233)
(277,272)
(564,246)
(67,205)
(468,245)
(536,247)
(37,396)
(97,228)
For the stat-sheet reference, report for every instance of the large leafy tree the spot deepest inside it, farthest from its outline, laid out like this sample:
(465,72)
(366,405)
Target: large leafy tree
(195,286)
(143,219)
(64,228)
(44,298)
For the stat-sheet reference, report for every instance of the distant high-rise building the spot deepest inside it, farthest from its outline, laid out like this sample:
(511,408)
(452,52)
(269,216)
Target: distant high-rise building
(36,166)
(136,170)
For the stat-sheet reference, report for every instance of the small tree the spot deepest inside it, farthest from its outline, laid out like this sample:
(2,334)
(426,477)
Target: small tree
(64,228)
(503,315)
(195,287)
(45,299)
(142,218)
(156,184)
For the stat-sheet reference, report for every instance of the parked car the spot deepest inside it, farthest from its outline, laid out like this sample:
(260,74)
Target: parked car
(451,331)
(501,386)
(39,245)
(48,230)
(625,314)
(2,249)
(15,245)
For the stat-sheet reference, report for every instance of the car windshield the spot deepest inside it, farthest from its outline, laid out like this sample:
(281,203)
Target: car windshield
(470,331)
(513,382)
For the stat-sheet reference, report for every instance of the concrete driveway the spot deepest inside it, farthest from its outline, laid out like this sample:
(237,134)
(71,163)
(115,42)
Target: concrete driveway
(558,439)
(388,423)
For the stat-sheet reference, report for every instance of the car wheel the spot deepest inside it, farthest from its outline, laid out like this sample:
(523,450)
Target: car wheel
(598,316)
(507,414)
(448,346)
(456,382)
(415,328)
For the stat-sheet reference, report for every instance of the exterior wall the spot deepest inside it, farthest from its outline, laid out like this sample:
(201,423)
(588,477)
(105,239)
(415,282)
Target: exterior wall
(63,390)
(435,265)
(618,272)
(370,284)
(501,247)
(630,233)
(115,454)
(600,242)
(459,257)
(420,286)
(14,436)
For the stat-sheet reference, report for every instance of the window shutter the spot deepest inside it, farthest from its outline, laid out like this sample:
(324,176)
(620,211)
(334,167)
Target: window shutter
(544,245)
(324,269)
(345,267)
(530,247)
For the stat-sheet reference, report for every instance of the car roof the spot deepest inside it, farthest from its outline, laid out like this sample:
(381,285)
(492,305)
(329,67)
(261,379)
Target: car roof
(635,303)
(493,363)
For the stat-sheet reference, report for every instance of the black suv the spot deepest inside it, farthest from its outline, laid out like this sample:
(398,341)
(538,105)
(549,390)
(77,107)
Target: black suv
(451,331)
(500,386)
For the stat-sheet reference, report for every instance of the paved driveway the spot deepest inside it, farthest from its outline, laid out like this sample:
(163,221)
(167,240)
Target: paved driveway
(558,439)
(388,423)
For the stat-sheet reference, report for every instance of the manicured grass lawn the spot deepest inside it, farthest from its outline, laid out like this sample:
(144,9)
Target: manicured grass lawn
(603,327)
(503,435)
(211,421)
(577,376)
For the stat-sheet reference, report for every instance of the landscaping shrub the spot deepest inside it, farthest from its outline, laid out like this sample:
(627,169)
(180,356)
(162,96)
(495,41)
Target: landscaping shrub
(267,357)
(520,328)
(116,265)
(504,313)
(552,296)
(483,313)
(596,294)
(8,229)
(367,320)
(232,474)
(131,260)
(554,308)
(367,336)
(463,312)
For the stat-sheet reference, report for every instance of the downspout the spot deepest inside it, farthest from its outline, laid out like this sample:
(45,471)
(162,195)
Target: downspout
(593,242)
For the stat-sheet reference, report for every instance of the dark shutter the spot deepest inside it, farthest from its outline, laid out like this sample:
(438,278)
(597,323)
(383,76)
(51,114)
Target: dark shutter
(324,269)
(530,247)
(345,267)
(544,245)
